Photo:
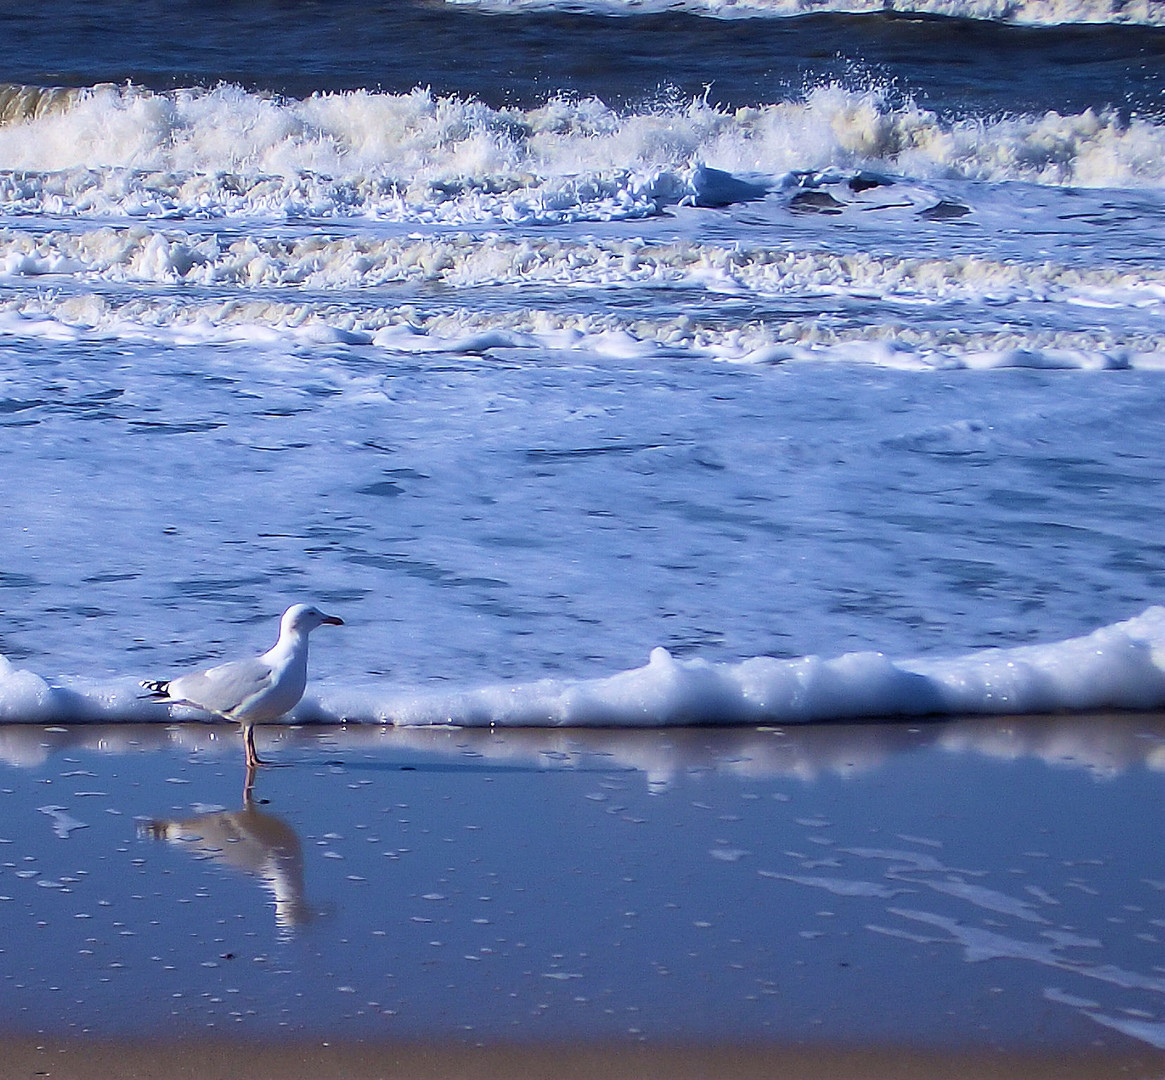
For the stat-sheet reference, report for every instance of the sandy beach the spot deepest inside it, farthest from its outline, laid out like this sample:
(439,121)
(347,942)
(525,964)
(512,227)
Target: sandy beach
(837,900)
(217,1060)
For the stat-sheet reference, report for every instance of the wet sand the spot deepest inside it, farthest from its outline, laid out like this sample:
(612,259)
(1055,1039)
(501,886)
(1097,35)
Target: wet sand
(979,897)
(218,1060)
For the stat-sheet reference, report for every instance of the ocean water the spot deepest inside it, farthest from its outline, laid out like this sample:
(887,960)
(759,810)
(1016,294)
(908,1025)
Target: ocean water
(620,363)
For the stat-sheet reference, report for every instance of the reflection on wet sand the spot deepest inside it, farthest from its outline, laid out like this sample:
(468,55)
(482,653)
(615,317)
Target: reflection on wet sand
(632,869)
(251,840)
(1106,744)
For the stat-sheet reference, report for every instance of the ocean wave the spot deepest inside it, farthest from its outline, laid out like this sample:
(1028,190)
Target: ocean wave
(1015,12)
(123,151)
(404,329)
(142,254)
(1120,666)
(316,288)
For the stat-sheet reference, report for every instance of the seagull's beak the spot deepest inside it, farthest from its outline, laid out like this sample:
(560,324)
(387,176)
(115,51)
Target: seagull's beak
(331,620)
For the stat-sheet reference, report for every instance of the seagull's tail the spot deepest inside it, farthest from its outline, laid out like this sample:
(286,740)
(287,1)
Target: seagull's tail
(158,691)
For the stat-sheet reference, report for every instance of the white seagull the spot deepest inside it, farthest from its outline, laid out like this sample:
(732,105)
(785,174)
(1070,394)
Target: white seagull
(254,691)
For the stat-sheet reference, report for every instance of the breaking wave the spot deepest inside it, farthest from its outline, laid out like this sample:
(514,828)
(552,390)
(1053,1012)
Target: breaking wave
(124,151)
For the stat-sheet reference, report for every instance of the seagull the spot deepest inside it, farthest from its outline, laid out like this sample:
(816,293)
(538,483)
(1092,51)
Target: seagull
(253,691)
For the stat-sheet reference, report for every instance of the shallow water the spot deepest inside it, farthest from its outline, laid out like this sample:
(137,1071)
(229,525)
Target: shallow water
(474,519)
(756,884)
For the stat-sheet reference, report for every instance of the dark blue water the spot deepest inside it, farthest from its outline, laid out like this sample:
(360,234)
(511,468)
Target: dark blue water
(960,65)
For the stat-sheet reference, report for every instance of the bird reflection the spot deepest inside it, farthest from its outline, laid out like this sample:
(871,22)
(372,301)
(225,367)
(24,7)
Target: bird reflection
(251,840)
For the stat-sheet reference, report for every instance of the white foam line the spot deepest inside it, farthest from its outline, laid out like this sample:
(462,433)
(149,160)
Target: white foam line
(1119,666)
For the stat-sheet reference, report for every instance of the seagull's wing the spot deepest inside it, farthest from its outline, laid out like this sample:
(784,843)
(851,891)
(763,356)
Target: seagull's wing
(226,689)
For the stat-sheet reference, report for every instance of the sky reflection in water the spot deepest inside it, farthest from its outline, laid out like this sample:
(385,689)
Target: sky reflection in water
(977,883)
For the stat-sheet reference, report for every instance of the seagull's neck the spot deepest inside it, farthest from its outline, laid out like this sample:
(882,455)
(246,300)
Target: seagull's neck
(289,649)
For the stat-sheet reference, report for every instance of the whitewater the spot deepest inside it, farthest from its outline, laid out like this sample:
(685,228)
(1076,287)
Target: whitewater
(741,381)
(1120,667)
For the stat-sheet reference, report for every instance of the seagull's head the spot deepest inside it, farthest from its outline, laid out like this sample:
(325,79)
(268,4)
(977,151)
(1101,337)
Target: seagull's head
(303,619)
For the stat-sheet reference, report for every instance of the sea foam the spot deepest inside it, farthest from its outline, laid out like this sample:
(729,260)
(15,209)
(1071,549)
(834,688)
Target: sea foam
(141,254)
(313,271)
(122,151)
(1018,12)
(1120,666)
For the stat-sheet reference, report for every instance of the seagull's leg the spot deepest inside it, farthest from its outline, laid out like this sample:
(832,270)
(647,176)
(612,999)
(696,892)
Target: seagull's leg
(253,758)
(248,785)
